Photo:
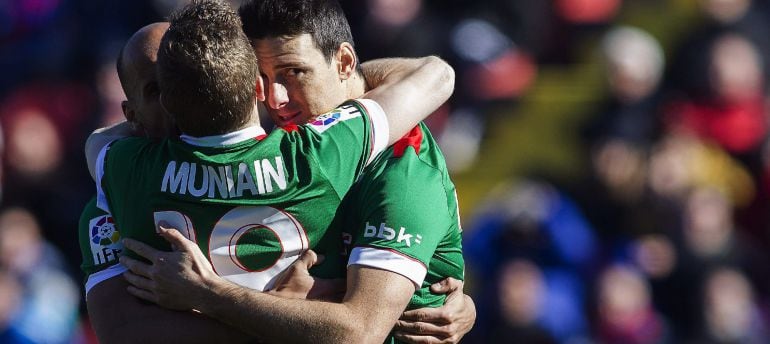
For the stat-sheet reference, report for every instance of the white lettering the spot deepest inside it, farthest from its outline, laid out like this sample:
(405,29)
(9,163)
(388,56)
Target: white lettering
(191,181)
(245,181)
(175,181)
(369,231)
(260,179)
(230,184)
(274,174)
(386,233)
(404,237)
(217,180)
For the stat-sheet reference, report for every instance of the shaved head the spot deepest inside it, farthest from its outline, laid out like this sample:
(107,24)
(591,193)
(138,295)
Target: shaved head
(140,51)
(138,77)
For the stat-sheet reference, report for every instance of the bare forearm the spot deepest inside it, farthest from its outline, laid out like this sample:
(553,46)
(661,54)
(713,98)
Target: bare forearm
(366,315)
(118,317)
(280,320)
(408,89)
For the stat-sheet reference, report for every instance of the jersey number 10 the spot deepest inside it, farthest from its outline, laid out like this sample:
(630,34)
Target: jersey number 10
(249,246)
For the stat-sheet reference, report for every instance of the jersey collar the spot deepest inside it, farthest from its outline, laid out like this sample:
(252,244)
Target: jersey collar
(239,136)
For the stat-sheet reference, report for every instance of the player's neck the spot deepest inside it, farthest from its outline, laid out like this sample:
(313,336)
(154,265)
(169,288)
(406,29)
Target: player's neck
(356,86)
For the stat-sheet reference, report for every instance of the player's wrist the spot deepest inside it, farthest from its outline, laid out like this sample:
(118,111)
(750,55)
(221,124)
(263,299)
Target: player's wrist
(216,295)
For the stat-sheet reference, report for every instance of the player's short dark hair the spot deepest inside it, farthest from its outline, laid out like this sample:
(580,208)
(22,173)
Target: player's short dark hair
(207,70)
(324,20)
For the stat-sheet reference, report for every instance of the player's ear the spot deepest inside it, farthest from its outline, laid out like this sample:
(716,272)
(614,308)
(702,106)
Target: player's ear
(346,60)
(259,91)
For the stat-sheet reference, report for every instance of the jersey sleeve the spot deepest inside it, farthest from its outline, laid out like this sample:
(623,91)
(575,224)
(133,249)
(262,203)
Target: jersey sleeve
(403,215)
(347,139)
(100,245)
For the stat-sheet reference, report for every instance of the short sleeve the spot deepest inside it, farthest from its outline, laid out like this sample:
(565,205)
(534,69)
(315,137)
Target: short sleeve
(100,244)
(402,217)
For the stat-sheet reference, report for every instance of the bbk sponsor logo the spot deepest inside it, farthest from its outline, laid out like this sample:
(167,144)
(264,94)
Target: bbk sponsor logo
(387,233)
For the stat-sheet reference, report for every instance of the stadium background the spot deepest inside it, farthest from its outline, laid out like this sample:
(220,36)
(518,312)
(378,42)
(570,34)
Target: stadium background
(611,159)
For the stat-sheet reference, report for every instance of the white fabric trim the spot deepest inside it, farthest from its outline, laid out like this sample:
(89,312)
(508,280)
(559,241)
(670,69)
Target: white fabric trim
(101,276)
(226,139)
(389,260)
(380,125)
(101,198)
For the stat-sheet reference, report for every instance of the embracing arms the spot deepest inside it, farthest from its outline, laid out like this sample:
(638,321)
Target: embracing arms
(408,89)
(366,314)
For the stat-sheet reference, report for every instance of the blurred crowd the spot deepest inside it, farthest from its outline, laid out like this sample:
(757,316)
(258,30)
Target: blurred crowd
(660,234)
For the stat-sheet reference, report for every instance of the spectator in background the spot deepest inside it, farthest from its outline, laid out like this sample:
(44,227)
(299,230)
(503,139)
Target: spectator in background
(732,114)
(521,291)
(619,139)
(11,293)
(625,310)
(49,298)
(533,221)
(731,313)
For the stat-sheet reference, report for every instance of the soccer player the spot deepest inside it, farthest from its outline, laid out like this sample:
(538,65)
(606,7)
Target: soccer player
(401,231)
(268,176)
(289,38)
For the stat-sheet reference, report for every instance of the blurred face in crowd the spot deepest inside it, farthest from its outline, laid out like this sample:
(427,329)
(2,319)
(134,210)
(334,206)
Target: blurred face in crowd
(725,11)
(140,83)
(20,240)
(623,295)
(299,81)
(729,305)
(736,68)
(521,292)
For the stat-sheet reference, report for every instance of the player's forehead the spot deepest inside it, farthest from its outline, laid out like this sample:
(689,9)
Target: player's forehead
(276,51)
(141,54)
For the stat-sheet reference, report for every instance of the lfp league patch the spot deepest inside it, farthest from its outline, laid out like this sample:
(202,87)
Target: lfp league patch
(104,240)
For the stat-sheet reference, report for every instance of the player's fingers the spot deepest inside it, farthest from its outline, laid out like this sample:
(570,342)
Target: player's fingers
(175,238)
(432,315)
(138,281)
(447,285)
(142,294)
(419,339)
(308,259)
(135,266)
(141,249)
(422,328)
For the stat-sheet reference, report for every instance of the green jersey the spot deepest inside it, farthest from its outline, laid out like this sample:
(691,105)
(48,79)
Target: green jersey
(100,243)
(405,218)
(252,202)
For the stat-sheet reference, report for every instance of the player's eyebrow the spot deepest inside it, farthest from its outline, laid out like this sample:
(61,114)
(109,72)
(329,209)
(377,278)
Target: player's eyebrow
(291,64)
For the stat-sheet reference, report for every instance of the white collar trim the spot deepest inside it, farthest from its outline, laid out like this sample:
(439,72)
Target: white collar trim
(223,140)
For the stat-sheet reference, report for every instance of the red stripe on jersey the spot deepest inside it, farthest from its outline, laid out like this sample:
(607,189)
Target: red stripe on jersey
(260,137)
(290,127)
(412,139)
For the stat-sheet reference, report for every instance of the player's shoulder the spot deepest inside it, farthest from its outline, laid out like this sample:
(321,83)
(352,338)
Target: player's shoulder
(415,150)
(131,146)
(347,111)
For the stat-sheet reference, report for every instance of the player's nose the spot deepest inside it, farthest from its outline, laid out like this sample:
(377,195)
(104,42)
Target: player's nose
(277,96)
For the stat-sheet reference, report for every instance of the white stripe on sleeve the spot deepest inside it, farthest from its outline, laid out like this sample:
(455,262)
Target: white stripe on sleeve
(389,260)
(380,125)
(101,276)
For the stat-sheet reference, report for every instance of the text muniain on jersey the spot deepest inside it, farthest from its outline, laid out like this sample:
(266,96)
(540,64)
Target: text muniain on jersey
(224,182)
